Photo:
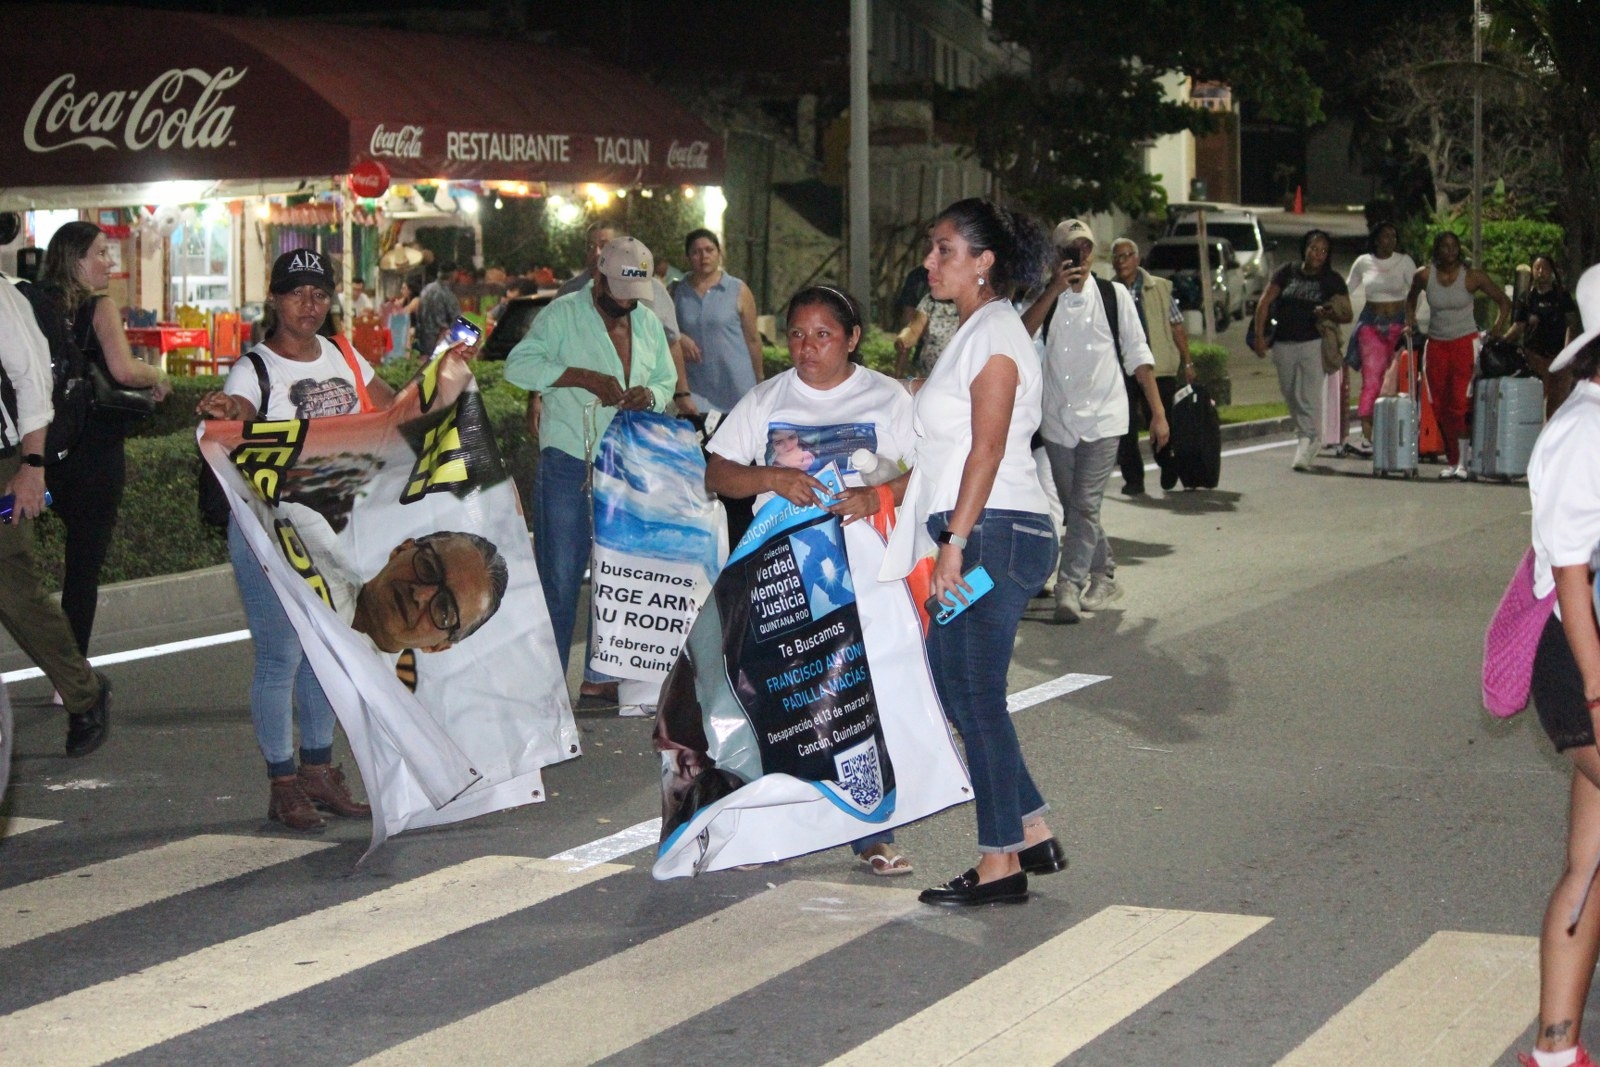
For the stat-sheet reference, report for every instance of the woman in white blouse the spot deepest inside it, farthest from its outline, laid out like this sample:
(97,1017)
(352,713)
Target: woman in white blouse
(973,496)
(1383,275)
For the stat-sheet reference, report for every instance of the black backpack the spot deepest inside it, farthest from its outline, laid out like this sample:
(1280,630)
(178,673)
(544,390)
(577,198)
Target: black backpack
(72,393)
(214,508)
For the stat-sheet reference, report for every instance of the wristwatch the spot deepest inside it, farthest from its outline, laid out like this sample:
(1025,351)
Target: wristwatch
(32,459)
(947,538)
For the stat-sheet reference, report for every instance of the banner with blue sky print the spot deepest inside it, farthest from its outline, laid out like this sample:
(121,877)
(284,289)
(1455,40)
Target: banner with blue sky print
(658,542)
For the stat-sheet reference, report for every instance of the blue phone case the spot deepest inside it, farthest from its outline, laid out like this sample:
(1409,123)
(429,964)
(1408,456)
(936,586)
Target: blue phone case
(981,583)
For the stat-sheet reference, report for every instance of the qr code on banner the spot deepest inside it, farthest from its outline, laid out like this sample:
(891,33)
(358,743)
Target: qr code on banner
(860,774)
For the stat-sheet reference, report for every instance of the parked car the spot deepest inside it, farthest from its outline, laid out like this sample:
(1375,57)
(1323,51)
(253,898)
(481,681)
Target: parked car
(1178,259)
(1239,227)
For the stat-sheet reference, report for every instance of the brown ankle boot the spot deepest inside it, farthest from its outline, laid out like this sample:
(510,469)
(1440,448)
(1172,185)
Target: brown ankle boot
(290,806)
(324,784)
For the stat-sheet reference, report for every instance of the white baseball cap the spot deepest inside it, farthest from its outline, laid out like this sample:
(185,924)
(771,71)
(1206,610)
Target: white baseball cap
(628,267)
(1588,297)
(1072,230)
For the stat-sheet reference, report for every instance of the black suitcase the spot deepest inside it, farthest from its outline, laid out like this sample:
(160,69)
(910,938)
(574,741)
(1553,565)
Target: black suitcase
(1193,454)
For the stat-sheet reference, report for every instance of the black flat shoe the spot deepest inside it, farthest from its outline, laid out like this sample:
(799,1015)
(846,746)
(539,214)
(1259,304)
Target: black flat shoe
(87,730)
(967,892)
(1044,858)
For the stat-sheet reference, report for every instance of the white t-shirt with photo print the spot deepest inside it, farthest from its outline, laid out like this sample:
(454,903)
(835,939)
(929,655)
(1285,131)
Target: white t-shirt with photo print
(324,386)
(785,422)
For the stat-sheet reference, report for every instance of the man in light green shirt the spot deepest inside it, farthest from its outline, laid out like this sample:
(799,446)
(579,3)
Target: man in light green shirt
(589,355)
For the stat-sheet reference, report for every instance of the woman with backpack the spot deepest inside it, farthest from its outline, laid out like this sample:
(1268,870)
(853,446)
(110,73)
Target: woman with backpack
(87,485)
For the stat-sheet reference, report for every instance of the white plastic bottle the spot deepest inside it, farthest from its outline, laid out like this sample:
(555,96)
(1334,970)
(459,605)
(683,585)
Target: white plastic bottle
(874,468)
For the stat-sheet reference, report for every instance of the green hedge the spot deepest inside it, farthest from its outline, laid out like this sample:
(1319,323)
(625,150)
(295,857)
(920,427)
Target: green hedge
(1507,243)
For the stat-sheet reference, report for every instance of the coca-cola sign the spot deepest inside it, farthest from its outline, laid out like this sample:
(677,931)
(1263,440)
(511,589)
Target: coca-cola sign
(403,143)
(179,108)
(696,155)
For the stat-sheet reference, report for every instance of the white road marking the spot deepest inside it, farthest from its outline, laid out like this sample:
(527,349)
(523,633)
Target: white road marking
(85,894)
(78,785)
(1460,999)
(653,986)
(166,649)
(1045,1005)
(223,980)
(1245,451)
(641,835)
(1067,683)
(11,826)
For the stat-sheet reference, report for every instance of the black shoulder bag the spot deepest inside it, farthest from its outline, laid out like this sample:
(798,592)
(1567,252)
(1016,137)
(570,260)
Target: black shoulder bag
(113,401)
(213,501)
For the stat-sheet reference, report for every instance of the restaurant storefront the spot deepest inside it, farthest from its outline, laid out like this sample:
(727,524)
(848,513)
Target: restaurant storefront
(204,143)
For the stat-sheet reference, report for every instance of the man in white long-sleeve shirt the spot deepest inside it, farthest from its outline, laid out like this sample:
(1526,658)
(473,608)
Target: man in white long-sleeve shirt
(1092,338)
(28,613)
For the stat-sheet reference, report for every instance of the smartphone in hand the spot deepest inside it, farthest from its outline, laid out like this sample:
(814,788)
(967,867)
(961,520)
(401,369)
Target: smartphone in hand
(461,330)
(944,611)
(1070,257)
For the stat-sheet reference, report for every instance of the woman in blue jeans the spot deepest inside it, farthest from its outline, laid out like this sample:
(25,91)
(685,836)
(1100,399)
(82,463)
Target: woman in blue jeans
(973,496)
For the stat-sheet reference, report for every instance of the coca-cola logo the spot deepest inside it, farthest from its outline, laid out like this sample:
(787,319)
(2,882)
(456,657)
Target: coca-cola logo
(404,143)
(156,115)
(696,155)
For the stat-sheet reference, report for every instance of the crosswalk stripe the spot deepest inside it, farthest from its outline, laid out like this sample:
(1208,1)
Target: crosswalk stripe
(1047,1004)
(757,940)
(11,826)
(139,1010)
(1460,999)
(85,894)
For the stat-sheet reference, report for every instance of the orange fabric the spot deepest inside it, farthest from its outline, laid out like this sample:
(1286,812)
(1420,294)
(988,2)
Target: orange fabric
(356,369)
(920,580)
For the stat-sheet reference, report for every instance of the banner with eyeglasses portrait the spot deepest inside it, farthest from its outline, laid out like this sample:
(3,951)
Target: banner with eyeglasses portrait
(801,714)
(397,546)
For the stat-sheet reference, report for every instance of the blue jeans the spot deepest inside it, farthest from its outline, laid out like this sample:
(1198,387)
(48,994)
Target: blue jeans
(970,655)
(1081,472)
(563,536)
(283,688)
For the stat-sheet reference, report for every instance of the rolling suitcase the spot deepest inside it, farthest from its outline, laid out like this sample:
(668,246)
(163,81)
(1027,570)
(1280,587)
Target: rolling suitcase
(1334,417)
(1395,423)
(1507,415)
(1193,453)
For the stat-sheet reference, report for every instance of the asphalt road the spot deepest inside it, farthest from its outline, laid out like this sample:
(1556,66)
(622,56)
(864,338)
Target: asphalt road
(1295,838)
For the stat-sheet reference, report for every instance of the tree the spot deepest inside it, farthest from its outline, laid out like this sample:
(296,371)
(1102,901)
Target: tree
(1421,87)
(1561,39)
(1065,138)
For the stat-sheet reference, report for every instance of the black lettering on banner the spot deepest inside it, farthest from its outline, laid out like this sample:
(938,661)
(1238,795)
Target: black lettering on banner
(294,550)
(267,450)
(795,656)
(442,464)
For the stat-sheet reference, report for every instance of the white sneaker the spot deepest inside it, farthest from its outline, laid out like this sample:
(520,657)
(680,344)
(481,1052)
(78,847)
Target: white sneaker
(1103,589)
(1453,474)
(637,711)
(1303,453)
(1069,607)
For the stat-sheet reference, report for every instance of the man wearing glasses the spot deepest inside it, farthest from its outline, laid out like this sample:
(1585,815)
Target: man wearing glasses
(434,592)
(1169,345)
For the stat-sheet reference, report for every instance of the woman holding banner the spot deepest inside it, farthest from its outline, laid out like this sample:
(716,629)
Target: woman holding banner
(305,376)
(823,410)
(973,498)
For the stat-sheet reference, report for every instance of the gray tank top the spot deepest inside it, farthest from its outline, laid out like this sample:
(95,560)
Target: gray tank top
(1451,307)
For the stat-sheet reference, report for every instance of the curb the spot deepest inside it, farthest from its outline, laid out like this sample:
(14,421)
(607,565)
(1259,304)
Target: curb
(209,595)
(1245,431)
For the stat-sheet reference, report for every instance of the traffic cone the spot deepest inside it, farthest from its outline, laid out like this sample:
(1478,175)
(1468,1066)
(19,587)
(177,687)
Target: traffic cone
(1299,200)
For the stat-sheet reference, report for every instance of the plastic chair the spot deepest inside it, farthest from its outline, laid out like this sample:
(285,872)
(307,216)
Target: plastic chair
(367,337)
(225,340)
